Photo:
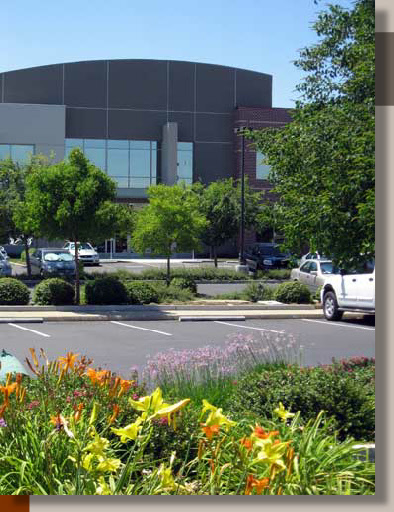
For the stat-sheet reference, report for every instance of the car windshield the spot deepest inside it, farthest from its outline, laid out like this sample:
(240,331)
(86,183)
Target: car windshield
(58,256)
(328,268)
(83,246)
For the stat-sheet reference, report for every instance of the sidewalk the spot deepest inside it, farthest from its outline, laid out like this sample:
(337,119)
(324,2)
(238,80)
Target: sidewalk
(160,312)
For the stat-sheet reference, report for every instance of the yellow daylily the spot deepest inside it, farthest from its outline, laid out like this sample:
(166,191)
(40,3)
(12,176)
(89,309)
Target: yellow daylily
(103,488)
(108,465)
(97,446)
(87,461)
(129,432)
(215,417)
(282,413)
(154,406)
(271,452)
(167,481)
(94,413)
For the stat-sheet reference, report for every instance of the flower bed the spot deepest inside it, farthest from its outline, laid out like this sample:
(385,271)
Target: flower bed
(76,429)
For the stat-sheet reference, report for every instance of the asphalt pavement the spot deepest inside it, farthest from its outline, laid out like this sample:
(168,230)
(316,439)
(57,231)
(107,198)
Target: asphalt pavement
(120,345)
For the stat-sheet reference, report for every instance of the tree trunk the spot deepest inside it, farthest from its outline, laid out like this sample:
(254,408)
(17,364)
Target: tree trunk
(27,257)
(168,279)
(76,272)
(215,256)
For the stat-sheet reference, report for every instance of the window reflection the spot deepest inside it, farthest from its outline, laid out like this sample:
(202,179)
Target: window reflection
(19,153)
(131,163)
(262,170)
(185,162)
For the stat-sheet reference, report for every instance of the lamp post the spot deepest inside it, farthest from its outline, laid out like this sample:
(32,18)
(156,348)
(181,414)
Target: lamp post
(242,263)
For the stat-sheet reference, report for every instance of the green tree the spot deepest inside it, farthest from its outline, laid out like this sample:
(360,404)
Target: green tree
(171,222)
(323,162)
(71,200)
(220,203)
(14,221)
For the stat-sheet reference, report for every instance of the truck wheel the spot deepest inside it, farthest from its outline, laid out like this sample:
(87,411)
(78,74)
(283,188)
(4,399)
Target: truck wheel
(330,307)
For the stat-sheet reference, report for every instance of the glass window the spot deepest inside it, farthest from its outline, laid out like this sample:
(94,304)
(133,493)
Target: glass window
(121,182)
(118,162)
(139,144)
(305,267)
(21,154)
(96,156)
(5,151)
(313,266)
(185,165)
(118,144)
(262,170)
(139,182)
(94,143)
(185,146)
(140,163)
(154,164)
(74,143)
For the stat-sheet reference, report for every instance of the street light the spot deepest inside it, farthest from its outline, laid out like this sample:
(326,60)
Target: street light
(242,261)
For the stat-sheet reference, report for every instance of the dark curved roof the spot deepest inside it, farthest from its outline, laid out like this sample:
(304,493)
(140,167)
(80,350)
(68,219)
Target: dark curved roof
(162,85)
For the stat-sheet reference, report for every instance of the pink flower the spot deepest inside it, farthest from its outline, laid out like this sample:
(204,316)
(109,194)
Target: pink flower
(34,403)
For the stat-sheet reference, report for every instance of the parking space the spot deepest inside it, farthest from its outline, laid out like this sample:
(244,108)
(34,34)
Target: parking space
(121,345)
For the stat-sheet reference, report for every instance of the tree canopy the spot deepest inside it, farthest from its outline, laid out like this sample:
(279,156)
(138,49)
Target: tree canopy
(171,222)
(322,163)
(71,200)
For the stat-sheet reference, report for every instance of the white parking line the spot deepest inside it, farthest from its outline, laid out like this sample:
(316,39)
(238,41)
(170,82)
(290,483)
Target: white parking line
(338,325)
(140,328)
(31,330)
(246,327)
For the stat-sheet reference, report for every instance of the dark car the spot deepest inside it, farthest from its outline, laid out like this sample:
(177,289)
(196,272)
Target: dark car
(265,256)
(52,261)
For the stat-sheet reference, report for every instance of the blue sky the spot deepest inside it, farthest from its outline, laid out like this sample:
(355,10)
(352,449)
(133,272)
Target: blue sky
(261,35)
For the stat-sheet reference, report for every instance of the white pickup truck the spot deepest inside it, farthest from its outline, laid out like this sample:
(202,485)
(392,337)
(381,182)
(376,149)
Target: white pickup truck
(349,292)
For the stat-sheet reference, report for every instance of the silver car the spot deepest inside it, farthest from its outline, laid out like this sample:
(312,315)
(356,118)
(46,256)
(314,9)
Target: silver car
(5,266)
(312,273)
(52,262)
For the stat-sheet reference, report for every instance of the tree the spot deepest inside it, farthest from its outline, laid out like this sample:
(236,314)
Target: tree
(220,202)
(171,221)
(323,161)
(13,219)
(71,200)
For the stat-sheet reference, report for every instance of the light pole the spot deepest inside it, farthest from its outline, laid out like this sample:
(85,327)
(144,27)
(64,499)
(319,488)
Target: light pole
(242,262)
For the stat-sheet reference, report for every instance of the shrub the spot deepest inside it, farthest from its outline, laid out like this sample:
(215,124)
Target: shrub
(317,293)
(140,292)
(54,291)
(257,291)
(185,283)
(348,399)
(273,274)
(106,290)
(292,293)
(172,293)
(13,292)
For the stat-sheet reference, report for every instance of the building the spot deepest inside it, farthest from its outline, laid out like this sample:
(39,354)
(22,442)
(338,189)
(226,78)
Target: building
(142,121)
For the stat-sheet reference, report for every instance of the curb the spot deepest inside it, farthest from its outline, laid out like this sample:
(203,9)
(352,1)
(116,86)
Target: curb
(26,320)
(208,318)
(170,315)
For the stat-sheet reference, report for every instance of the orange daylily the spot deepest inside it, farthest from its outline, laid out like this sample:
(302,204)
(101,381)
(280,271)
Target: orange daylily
(98,376)
(7,390)
(78,412)
(254,483)
(2,409)
(114,387)
(260,433)
(125,385)
(33,355)
(68,362)
(114,414)
(247,442)
(210,430)
(60,423)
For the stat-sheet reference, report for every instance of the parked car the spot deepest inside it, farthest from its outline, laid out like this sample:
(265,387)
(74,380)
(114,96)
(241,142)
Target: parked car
(86,253)
(50,262)
(3,252)
(5,266)
(266,256)
(313,273)
(349,291)
(312,256)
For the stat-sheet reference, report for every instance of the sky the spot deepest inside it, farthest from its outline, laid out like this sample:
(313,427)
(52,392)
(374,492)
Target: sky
(260,35)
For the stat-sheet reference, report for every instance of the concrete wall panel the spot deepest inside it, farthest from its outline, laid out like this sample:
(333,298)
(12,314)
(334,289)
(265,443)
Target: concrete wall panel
(215,88)
(212,161)
(85,84)
(181,90)
(83,123)
(43,85)
(138,125)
